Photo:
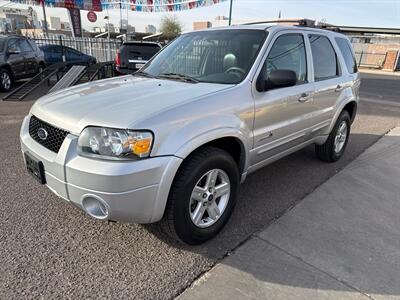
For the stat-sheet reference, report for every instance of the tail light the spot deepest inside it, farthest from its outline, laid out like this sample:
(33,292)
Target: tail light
(118,59)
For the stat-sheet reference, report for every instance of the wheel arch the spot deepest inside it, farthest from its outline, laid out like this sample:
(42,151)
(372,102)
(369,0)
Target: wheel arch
(350,106)
(8,68)
(229,140)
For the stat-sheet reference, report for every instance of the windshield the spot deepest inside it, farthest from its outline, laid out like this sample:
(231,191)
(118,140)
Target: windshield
(220,56)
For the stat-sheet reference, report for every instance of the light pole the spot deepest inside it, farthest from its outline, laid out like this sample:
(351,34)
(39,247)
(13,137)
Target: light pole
(45,19)
(108,36)
(230,12)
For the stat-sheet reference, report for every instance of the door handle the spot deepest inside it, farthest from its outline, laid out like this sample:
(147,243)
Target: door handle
(304,97)
(339,88)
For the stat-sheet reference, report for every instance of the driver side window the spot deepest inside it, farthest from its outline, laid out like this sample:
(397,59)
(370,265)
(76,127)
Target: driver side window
(13,46)
(288,53)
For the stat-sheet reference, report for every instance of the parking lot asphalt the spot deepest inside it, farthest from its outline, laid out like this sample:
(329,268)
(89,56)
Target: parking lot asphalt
(49,249)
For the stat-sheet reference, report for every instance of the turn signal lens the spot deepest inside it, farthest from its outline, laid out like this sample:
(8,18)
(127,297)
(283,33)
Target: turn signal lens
(141,147)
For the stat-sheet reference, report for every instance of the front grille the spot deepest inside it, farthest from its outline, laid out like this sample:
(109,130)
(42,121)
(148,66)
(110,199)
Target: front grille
(54,138)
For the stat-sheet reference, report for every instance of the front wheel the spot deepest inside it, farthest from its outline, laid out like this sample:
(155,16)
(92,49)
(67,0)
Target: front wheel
(202,196)
(334,147)
(6,81)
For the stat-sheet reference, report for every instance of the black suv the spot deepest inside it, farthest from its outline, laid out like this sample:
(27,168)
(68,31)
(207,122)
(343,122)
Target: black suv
(131,56)
(19,58)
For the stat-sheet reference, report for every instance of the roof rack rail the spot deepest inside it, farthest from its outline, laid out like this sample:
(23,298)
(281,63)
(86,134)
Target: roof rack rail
(293,22)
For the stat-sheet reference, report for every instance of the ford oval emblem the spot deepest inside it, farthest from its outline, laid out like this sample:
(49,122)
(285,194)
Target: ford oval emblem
(42,134)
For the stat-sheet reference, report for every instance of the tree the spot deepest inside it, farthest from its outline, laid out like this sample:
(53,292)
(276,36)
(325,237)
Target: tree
(170,27)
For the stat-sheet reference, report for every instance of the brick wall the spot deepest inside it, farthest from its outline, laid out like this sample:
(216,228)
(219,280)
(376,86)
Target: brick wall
(390,61)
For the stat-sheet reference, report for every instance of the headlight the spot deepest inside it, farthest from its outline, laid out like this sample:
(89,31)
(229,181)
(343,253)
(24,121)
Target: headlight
(115,143)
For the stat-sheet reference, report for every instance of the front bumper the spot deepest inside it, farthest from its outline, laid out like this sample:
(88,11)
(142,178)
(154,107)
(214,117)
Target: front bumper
(132,191)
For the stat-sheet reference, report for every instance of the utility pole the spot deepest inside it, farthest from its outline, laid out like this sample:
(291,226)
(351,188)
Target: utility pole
(120,16)
(108,36)
(230,13)
(45,19)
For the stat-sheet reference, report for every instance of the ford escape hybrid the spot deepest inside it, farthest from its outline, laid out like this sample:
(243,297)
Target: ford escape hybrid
(172,143)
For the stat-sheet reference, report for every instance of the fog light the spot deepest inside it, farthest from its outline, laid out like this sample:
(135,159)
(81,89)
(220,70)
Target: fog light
(95,207)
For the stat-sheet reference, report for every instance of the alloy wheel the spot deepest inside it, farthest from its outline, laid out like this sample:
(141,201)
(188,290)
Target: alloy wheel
(341,136)
(5,80)
(209,198)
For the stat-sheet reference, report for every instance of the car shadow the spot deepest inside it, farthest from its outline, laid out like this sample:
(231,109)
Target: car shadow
(264,197)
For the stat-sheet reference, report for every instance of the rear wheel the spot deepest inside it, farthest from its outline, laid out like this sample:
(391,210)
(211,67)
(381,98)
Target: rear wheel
(6,81)
(41,67)
(333,149)
(202,196)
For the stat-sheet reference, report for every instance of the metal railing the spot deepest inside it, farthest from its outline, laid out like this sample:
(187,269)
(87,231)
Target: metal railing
(371,60)
(102,49)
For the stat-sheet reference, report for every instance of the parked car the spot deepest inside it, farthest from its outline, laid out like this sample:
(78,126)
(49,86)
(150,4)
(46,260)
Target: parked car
(54,54)
(19,58)
(171,143)
(131,56)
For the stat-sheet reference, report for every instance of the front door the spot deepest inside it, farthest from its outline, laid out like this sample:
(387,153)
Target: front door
(31,65)
(15,58)
(283,116)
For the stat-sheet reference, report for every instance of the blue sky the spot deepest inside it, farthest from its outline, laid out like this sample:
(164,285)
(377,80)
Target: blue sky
(374,13)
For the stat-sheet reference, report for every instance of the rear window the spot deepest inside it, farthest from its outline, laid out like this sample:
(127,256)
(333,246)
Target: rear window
(348,55)
(324,58)
(139,51)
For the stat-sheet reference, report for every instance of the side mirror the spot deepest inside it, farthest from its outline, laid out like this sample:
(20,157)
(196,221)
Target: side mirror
(277,79)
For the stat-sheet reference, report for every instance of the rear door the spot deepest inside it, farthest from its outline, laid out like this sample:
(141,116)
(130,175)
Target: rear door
(329,82)
(353,78)
(15,58)
(31,65)
(283,116)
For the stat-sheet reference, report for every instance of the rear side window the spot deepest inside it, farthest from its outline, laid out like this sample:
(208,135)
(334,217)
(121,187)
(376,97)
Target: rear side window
(324,58)
(348,55)
(13,46)
(25,46)
(288,53)
(33,45)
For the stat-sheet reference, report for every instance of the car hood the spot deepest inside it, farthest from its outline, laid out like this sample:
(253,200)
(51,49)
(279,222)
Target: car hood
(118,102)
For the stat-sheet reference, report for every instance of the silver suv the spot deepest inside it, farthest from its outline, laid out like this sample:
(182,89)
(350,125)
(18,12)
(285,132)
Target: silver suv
(171,143)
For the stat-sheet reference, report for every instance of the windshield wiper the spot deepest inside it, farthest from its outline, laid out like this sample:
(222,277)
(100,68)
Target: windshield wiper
(178,76)
(144,74)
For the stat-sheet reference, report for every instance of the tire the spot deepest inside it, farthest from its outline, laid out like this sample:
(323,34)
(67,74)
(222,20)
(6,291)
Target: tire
(334,147)
(204,163)
(6,80)
(42,66)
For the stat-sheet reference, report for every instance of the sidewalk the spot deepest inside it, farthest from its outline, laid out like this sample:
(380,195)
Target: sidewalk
(341,242)
(378,72)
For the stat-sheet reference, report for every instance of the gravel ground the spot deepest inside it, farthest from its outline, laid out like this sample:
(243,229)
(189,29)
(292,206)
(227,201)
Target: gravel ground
(49,249)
